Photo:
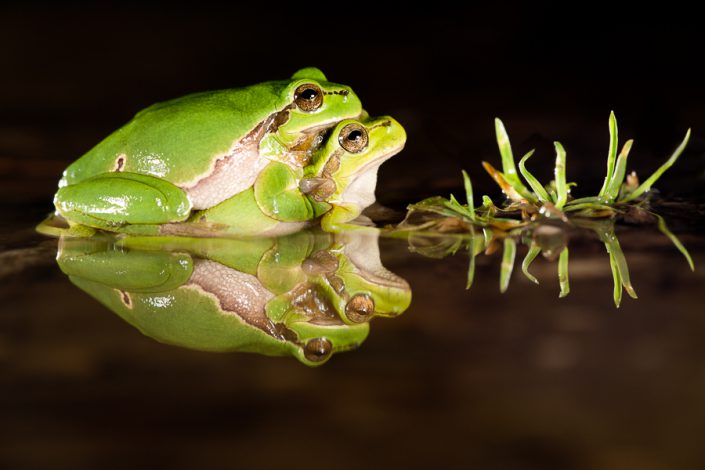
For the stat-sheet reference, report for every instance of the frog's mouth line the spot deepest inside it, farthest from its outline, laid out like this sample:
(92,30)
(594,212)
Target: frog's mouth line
(318,135)
(379,160)
(382,277)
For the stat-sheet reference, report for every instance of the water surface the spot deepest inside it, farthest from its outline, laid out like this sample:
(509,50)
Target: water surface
(515,380)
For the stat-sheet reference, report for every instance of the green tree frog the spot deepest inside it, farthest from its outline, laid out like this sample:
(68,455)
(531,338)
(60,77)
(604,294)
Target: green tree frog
(307,295)
(335,187)
(194,152)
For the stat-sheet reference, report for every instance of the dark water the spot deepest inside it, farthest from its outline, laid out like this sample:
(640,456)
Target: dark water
(519,380)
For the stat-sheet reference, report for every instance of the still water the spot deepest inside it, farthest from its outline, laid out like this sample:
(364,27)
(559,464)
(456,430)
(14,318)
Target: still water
(117,351)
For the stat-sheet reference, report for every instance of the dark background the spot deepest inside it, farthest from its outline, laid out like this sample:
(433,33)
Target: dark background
(71,75)
(514,381)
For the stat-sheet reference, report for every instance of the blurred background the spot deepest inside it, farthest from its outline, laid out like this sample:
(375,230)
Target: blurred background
(499,382)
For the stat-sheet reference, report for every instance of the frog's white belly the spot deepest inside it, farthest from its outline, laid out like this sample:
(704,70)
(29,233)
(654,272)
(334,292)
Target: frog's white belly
(236,292)
(231,174)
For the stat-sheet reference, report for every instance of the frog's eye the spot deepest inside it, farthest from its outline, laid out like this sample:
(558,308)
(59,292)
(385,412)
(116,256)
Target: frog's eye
(360,308)
(308,97)
(353,138)
(318,349)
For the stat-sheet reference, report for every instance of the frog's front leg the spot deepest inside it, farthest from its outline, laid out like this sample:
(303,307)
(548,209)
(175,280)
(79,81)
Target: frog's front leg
(111,200)
(278,195)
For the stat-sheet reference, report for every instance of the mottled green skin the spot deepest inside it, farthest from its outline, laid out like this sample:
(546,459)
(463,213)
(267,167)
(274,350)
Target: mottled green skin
(386,138)
(178,140)
(133,271)
(188,318)
(145,281)
(276,196)
(391,298)
(276,203)
(150,201)
(170,147)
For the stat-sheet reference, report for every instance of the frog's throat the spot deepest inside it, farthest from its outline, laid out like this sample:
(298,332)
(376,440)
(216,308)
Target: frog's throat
(363,253)
(361,185)
(235,170)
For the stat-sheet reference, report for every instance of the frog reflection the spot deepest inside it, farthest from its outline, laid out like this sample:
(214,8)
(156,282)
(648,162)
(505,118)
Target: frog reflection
(309,295)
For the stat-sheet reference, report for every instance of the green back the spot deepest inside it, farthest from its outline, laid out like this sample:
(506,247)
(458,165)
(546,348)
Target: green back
(202,325)
(177,139)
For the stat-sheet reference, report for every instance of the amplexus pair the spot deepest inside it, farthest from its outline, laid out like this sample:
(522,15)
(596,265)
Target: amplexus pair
(264,159)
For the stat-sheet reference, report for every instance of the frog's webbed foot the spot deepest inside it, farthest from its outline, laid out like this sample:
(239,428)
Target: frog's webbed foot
(111,200)
(319,189)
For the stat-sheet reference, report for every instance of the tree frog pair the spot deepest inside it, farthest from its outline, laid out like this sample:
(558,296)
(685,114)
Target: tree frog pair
(309,294)
(267,158)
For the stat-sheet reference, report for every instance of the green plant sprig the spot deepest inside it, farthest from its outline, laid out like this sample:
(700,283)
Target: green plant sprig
(553,200)
(549,201)
(556,194)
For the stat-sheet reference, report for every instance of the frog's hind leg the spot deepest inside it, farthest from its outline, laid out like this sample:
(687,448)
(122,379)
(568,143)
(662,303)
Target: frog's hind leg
(111,200)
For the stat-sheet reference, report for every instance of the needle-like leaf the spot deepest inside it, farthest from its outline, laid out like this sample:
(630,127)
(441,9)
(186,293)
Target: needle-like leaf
(510,172)
(664,229)
(508,189)
(615,251)
(563,273)
(617,291)
(471,270)
(561,188)
(453,204)
(533,182)
(475,246)
(612,153)
(533,252)
(508,255)
(646,185)
(587,205)
(469,196)
(583,200)
(487,235)
(620,171)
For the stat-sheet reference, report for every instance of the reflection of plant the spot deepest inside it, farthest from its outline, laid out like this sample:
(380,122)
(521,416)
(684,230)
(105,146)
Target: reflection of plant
(547,239)
(480,228)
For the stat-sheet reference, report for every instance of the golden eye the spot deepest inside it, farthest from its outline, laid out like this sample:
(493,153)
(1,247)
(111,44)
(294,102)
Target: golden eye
(354,138)
(318,349)
(308,97)
(360,308)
